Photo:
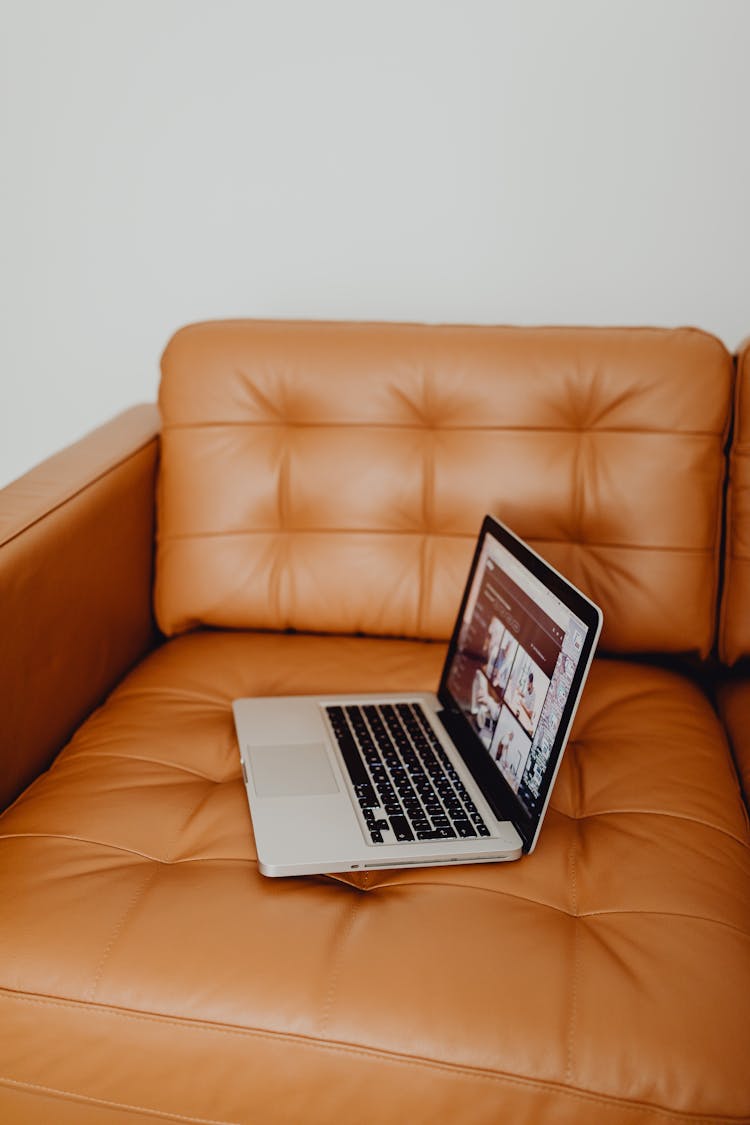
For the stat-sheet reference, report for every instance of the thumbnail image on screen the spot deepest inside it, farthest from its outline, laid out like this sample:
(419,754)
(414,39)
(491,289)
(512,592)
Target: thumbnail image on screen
(517,651)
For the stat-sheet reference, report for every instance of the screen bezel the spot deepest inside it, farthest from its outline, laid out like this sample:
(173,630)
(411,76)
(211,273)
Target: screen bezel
(501,798)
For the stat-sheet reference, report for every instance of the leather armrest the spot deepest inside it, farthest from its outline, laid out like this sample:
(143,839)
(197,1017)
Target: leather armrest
(76,569)
(733,700)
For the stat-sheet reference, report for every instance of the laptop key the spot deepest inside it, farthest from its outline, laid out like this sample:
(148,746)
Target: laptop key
(352,759)
(401,829)
(464,829)
(376,836)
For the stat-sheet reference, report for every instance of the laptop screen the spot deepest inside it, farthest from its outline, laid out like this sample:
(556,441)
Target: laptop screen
(513,664)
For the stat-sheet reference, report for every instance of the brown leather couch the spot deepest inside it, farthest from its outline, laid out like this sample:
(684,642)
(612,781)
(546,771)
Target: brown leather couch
(318,488)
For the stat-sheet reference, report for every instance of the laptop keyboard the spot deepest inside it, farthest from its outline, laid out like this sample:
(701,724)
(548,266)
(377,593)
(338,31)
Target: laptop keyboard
(405,784)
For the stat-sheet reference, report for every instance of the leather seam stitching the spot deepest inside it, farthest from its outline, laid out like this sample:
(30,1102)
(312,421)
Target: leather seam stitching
(331,990)
(391,532)
(97,754)
(577,484)
(132,903)
(656,812)
(422,592)
(576,945)
(126,851)
(384,886)
(135,899)
(69,1095)
(580,915)
(398,1058)
(291,424)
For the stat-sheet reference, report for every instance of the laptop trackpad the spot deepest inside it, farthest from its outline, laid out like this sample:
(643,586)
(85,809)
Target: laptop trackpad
(291,771)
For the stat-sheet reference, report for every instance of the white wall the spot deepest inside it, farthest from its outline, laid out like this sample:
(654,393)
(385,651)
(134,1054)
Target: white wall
(568,161)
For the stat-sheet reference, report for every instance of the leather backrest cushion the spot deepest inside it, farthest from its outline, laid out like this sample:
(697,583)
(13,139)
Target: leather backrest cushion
(333,477)
(734,634)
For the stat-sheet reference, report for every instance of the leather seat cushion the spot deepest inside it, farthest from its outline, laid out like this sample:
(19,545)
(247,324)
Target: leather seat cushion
(603,978)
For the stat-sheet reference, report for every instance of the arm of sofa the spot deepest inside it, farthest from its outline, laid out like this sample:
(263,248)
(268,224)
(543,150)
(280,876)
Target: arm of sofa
(76,564)
(733,699)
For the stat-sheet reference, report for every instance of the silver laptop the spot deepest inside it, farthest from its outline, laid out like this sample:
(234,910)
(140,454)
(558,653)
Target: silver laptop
(416,779)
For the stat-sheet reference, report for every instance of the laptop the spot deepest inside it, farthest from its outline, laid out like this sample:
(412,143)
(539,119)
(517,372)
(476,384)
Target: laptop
(416,779)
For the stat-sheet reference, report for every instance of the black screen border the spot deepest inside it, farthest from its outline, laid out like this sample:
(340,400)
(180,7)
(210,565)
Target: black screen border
(503,801)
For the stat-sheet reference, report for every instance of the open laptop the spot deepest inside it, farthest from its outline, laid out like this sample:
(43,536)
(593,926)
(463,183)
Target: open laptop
(415,779)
